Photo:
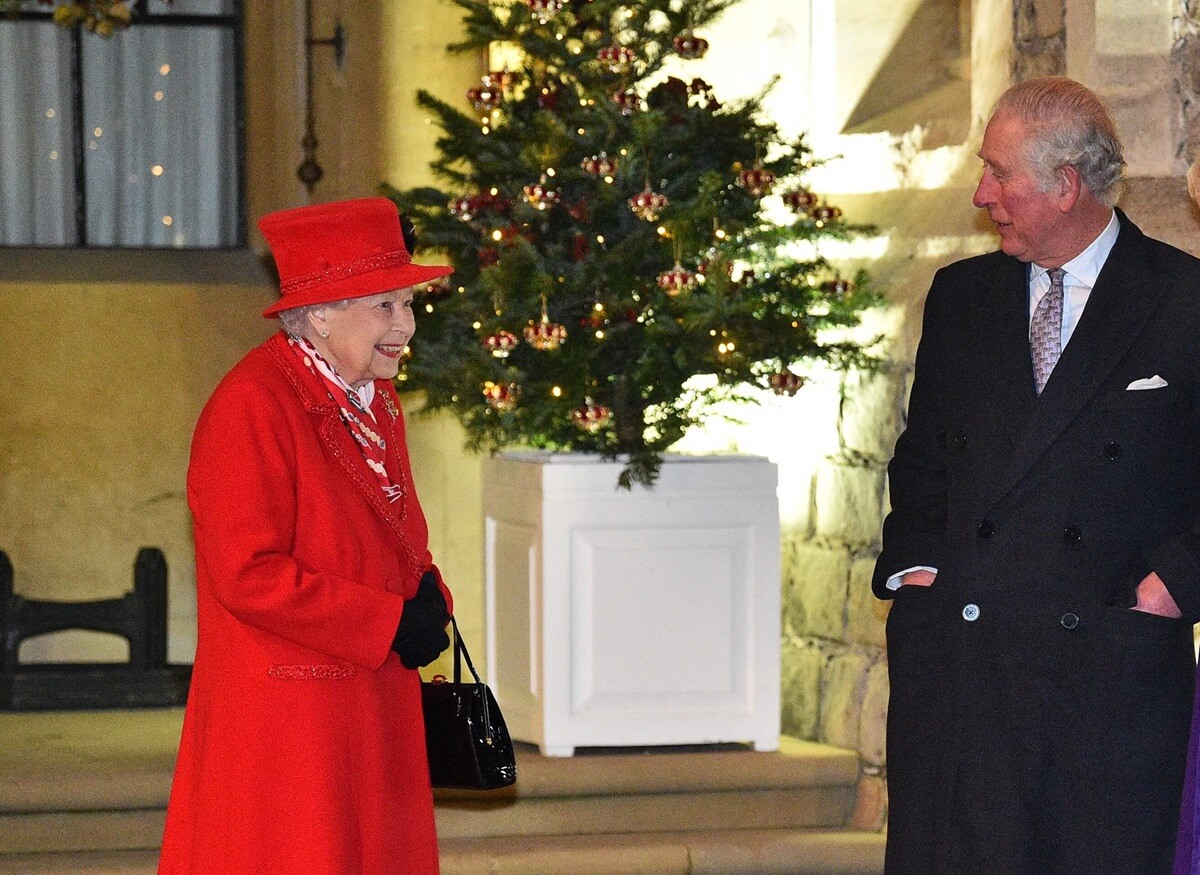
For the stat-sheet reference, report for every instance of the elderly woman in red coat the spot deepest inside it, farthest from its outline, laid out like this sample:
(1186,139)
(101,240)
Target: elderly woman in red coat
(303,746)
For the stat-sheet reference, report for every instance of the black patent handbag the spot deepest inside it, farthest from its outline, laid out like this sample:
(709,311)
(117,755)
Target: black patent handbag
(467,742)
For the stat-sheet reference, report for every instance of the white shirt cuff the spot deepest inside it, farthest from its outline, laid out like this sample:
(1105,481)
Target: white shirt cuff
(893,582)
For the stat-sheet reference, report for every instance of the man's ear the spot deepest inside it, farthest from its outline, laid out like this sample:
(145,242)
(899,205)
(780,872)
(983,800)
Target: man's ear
(1068,185)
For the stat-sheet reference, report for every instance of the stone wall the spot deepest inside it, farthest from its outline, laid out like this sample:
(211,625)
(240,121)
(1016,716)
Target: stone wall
(835,685)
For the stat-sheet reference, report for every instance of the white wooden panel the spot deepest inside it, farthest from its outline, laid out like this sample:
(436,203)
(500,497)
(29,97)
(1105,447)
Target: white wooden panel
(648,617)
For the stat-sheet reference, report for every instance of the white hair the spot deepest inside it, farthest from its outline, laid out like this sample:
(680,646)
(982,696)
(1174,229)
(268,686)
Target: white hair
(295,319)
(1068,125)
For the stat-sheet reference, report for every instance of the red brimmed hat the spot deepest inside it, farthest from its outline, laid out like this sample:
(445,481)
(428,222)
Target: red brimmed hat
(346,249)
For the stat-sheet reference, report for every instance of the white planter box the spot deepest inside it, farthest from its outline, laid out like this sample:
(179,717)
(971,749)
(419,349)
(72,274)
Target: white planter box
(636,618)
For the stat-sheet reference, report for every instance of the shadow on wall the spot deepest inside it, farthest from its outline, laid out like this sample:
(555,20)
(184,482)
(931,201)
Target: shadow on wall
(924,80)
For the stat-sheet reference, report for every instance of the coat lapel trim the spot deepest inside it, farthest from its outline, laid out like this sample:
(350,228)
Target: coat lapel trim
(1118,308)
(335,436)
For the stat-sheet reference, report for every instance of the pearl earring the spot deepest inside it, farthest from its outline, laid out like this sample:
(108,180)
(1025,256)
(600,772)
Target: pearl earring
(324,333)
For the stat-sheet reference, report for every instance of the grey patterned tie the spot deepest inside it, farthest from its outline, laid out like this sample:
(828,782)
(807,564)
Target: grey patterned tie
(1045,331)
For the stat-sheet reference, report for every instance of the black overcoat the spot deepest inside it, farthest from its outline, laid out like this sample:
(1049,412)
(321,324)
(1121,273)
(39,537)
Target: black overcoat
(1036,723)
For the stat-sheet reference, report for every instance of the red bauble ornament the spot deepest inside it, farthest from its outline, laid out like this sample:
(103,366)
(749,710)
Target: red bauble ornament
(677,279)
(545,335)
(541,194)
(837,288)
(647,204)
(618,59)
(596,318)
(487,256)
(501,396)
(485,98)
(580,248)
(785,382)
(548,95)
(689,46)
(757,180)
(826,213)
(801,201)
(544,10)
(599,165)
(463,207)
(501,343)
(501,80)
(590,416)
(629,101)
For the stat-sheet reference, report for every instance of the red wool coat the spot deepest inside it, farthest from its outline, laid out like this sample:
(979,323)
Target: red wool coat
(303,746)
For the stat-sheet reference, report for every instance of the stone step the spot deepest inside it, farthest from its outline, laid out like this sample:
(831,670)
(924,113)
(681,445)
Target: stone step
(94,786)
(723,852)
(81,863)
(717,852)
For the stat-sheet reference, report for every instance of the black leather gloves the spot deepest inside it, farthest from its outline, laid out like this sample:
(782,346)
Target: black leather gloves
(421,635)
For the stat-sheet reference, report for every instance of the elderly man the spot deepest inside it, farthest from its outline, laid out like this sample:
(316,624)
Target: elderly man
(1042,548)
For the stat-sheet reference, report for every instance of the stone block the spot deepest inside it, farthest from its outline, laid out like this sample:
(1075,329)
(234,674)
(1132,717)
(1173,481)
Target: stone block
(870,805)
(849,502)
(866,616)
(800,698)
(1037,57)
(1038,19)
(870,418)
(1187,59)
(843,683)
(816,582)
(872,732)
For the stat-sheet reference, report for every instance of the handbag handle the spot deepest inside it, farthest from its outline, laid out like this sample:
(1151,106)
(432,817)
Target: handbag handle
(460,654)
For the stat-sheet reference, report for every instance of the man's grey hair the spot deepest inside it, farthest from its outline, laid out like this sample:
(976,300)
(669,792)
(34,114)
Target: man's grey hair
(1067,124)
(295,319)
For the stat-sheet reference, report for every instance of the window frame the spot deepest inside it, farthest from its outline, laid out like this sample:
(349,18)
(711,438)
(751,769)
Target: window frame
(233,21)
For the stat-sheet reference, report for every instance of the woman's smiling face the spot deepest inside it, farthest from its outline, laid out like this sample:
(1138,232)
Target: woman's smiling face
(364,339)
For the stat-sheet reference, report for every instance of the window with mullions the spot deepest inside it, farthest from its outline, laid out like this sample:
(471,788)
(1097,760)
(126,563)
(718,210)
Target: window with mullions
(128,141)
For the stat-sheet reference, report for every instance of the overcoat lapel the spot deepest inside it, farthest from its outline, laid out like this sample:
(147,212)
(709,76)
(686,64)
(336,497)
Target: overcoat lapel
(337,439)
(1116,313)
(1012,365)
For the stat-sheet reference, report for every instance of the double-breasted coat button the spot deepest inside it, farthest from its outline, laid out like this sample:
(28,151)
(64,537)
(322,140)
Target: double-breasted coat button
(1113,450)
(960,439)
(971,613)
(1071,534)
(986,529)
(1069,620)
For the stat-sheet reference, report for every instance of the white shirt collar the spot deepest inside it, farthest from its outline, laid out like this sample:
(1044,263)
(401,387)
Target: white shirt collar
(1085,267)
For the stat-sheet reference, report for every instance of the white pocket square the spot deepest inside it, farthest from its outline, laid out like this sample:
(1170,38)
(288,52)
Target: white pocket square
(1155,382)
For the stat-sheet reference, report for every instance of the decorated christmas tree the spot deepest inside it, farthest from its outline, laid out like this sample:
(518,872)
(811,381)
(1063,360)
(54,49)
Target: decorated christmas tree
(627,248)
